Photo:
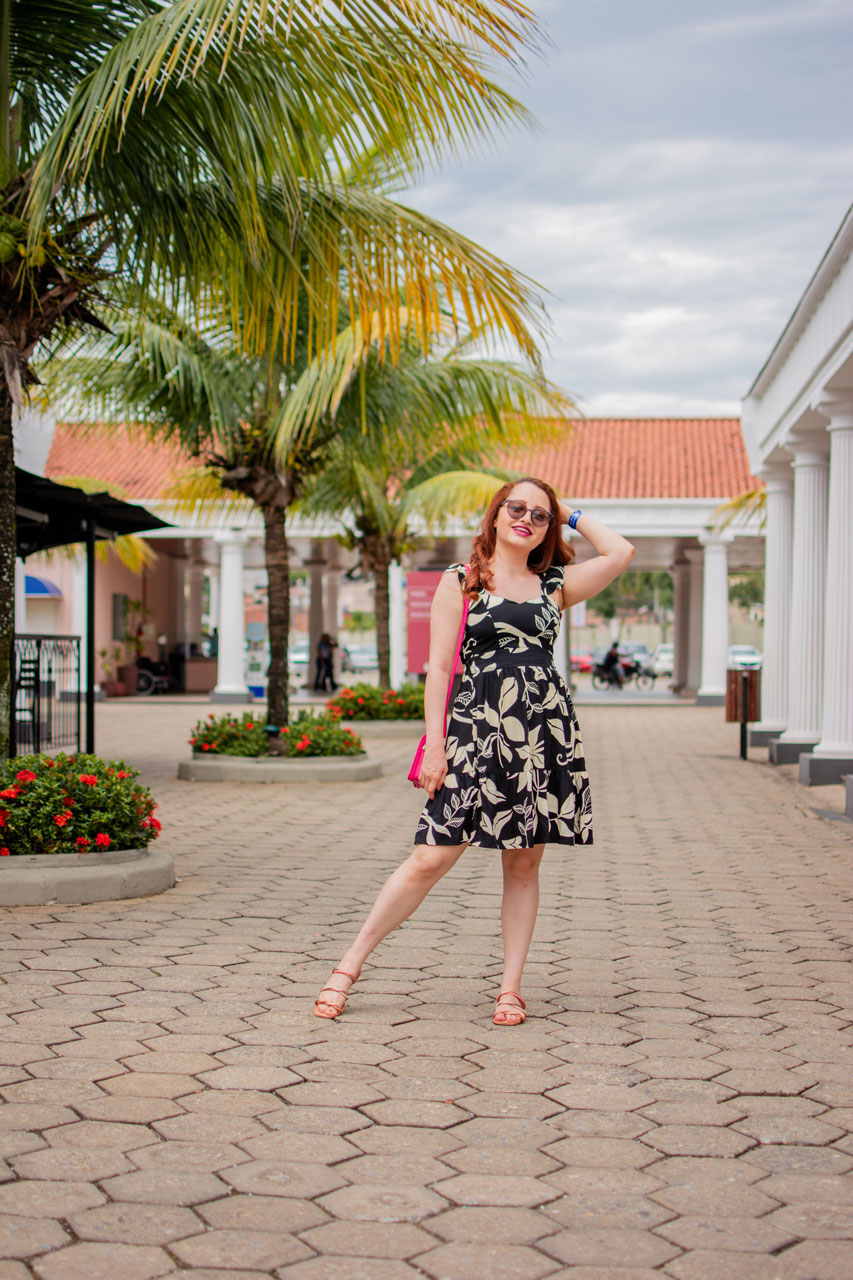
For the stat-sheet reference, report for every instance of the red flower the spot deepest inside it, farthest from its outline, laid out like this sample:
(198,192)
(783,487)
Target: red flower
(301,746)
(10,793)
(5,853)
(347,729)
(89,779)
(205,746)
(285,731)
(61,818)
(48,763)
(350,712)
(26,775)
(401,702)
(102,840)
(360,701)
(250,724)
(152,823)
(82,843)
(126,773)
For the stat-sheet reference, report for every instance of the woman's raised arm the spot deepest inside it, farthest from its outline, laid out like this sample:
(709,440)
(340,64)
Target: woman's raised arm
(615,553)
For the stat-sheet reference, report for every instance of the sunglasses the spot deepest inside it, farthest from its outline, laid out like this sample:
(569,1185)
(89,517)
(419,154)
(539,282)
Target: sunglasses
(518,510)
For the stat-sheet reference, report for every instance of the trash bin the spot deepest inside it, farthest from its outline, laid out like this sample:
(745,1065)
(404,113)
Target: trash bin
(738,681)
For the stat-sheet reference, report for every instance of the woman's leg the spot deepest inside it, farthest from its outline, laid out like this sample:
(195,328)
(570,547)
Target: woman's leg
(401,894)
(518,918)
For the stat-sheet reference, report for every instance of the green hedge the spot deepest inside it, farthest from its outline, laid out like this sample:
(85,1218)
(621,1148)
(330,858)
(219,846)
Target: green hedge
(306,735)
(73,804)
(366,702)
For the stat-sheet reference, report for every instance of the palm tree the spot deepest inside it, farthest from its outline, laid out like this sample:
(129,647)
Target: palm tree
(433,432)
(194,142)
(742,507)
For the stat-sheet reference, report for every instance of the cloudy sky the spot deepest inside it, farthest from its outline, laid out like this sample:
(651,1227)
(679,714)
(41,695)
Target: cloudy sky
(693,161)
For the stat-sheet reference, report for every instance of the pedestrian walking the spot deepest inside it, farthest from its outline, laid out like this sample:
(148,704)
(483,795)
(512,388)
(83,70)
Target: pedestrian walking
(324,678)
(507,771)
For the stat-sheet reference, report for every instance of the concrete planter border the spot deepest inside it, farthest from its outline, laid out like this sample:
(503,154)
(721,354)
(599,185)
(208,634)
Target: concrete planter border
(39,879)
(273,769)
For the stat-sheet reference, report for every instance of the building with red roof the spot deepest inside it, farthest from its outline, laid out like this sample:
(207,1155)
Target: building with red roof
(658,481)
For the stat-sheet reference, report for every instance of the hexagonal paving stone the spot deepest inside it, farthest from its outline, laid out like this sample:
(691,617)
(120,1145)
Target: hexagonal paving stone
(204,1157)
(135,1223)
(738,1234)
(398,1139)
(380,1202)
(24,1237)
(598,1209)
(302,1179)
(100,1133)
(609,1248)
(697,1140)
(429,1115)
(394,1240)
(603,1153)
(814,1221)
(71,1165)
(262,1213)
(317,1147)
(104,1262)
(163,1186)
(350,1269)
(474,1261)
(44,1199)
(261,1250)
(486,1189)
(469,1225)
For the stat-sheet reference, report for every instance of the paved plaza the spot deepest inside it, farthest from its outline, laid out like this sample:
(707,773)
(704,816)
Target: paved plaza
(678,1104)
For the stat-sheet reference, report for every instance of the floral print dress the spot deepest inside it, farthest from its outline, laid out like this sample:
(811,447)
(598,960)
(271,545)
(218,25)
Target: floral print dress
(516,774)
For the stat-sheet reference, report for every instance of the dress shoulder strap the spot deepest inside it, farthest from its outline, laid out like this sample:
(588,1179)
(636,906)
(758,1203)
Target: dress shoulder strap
(553,578)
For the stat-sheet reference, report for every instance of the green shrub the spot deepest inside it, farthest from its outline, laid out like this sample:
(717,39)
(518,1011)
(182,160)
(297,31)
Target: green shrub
(73,804)
(366,702)
(306,735)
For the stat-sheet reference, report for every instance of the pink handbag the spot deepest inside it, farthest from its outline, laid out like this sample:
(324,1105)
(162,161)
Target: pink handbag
(417,764)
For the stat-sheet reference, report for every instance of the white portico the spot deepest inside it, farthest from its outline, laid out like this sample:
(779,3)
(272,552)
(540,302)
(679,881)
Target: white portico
(798,427)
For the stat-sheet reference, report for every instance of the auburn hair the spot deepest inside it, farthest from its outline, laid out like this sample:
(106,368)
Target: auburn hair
(553,549)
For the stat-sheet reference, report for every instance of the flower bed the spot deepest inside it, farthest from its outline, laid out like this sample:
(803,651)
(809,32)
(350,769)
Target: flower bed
(72,805)
(366,702)
(306,735)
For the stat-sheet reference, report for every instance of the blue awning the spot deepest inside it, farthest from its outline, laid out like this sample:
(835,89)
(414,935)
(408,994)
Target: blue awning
(40,588)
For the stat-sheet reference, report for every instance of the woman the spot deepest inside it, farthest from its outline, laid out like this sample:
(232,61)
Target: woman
(325,677)
(511,773)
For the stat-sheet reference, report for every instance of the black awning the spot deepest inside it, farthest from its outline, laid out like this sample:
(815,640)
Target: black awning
(52,515)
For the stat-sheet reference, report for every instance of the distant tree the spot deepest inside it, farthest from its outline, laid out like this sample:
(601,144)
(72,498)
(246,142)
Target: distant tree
(636,591)
(747,589)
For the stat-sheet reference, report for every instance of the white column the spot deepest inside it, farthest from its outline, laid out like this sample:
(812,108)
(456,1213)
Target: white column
(396,624)
(715,618)
(195,583)
(20,597)
(231,680)
(808,578)
(778,547)
(836,741)
(695,559)
(79,615)
(180,602)
(681,627)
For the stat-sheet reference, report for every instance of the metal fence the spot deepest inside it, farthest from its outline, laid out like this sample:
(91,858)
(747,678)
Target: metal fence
(45,693)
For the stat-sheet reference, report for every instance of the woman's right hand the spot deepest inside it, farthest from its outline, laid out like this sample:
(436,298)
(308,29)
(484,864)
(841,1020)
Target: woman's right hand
(434,768)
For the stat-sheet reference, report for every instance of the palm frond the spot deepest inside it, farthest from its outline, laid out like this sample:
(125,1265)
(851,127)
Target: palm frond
(742,508)
(132,551)
(199,496)
(455,493)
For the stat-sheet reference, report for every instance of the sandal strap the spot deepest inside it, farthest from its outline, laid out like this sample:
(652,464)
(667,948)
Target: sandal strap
(511,993)
(336,990)
(346,975)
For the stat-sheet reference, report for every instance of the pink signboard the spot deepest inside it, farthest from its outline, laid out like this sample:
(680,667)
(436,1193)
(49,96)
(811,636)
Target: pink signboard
(420,588)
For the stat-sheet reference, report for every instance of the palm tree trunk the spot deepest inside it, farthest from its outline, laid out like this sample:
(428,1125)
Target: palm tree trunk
(278,611)
(381,605)
(7,563)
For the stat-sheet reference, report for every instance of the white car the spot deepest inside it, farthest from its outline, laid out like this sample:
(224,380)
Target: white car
(744,657)
(663,660)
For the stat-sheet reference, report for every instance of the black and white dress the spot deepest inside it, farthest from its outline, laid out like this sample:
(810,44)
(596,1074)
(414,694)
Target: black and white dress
(516,774)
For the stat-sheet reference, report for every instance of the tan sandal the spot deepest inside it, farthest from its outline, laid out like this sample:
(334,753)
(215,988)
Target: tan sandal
(516,1009)
(337,1010)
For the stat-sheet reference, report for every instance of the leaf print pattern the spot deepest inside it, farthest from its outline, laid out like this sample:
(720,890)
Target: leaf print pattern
(516,774)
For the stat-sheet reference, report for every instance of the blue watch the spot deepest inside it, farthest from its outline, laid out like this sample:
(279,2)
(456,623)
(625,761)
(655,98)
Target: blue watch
(573,519)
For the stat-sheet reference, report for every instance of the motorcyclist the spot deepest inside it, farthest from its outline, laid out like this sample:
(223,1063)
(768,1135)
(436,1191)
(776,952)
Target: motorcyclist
(611,664)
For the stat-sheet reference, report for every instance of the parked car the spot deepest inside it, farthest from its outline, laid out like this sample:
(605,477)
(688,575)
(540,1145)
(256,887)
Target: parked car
(663,659)
(745,657)
(581,660)
(359,657)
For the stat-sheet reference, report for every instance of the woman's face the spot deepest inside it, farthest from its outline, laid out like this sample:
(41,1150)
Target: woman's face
(517,528)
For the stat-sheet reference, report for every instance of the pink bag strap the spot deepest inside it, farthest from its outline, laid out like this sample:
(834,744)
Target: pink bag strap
(456,655)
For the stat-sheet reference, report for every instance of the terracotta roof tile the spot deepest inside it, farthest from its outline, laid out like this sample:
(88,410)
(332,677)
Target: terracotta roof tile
(644,458)
(602,458)
(141,468)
